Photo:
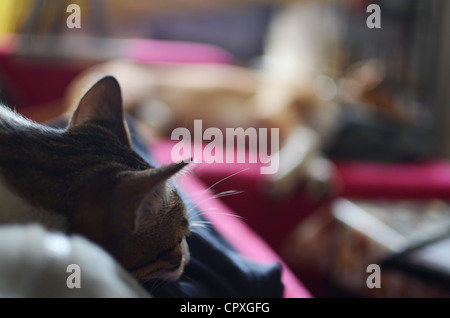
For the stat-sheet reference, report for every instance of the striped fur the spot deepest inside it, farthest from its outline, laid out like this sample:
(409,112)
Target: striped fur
(50,168)
(87,179)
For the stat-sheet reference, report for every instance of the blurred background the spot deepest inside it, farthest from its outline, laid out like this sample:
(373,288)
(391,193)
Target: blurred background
(317,38)
(404,65)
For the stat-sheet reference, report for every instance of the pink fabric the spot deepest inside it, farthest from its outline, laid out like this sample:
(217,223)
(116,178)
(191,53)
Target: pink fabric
(231,226)
(8,44)
(430,179)
(157,51)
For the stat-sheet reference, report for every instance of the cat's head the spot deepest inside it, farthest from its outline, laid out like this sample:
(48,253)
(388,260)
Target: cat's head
(128,207)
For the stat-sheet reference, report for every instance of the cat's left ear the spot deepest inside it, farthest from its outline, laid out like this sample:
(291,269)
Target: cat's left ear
(103,104)
(135,189)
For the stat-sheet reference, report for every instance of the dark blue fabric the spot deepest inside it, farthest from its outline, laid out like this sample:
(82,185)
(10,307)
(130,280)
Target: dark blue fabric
(216,269)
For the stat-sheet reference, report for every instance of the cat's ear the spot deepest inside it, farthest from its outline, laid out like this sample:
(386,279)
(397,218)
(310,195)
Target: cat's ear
(103,104)
(136,189)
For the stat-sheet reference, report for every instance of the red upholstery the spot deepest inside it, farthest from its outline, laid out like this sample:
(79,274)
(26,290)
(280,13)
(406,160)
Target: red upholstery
(32,82)
(27,82)
(428,179)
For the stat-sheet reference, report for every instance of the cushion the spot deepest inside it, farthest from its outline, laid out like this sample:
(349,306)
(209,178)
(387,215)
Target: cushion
(35,263)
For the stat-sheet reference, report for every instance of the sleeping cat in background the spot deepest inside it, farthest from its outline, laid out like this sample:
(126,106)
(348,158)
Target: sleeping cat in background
(87,179)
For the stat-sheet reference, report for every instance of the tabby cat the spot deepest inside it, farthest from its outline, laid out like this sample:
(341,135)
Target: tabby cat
(87,179)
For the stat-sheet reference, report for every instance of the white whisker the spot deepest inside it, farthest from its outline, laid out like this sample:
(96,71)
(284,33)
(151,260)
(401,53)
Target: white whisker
(219,195)
(155,283)
(227,214)
(199,213)
(200,222)
(202,225)
(227,193)
(232,175)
